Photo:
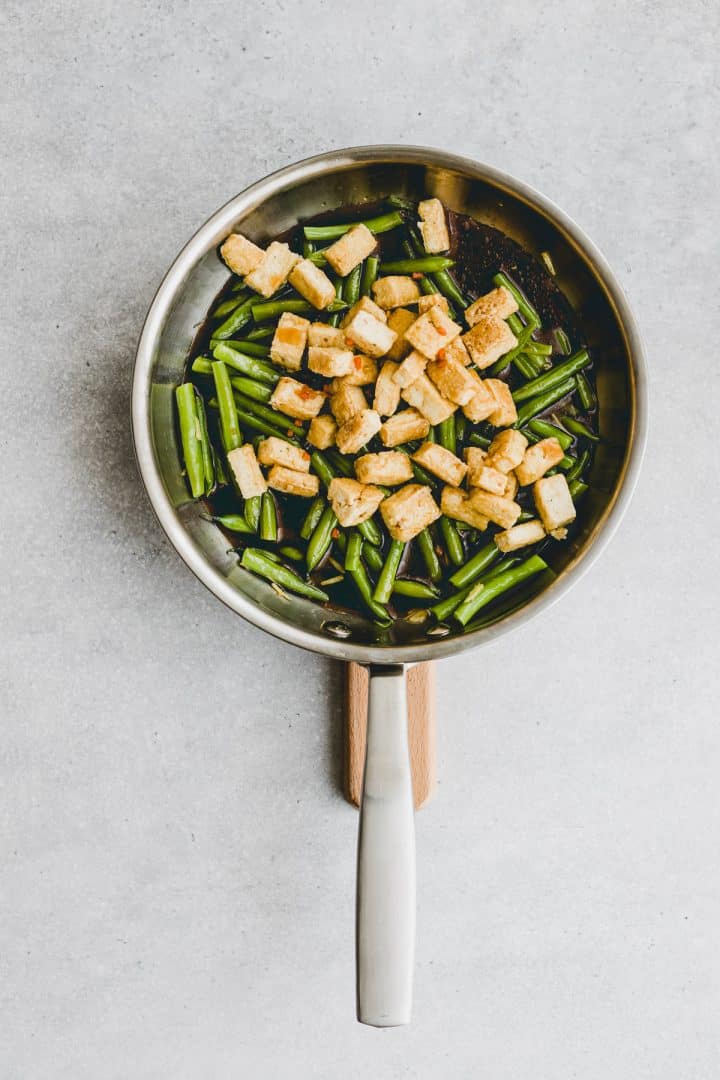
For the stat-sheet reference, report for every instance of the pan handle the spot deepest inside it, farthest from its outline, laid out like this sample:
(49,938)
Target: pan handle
(385,930)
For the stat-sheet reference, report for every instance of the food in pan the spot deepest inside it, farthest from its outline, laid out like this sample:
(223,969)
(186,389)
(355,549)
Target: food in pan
(392,412)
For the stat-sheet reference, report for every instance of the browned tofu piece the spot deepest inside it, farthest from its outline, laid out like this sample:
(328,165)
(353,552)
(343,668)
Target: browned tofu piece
(433,226)
(498,303)
(399,321)
(367,305)
(504,414)
(292,482)
(554,501)
(506,451)
(326,337)
(456,504)
(482,404)
(240,254)
(402,427)
(296,399)
(489,339)
(289,340)
(432,331)
(322,431)
(312,283)
(412,367)
(441,462)
(409,511)
(357,431)
(246,471)
(387,391)
(430,300)
(274,451)
(511,486)
(538,459)
(372,337)
(452,379)
(362,373)
(273,269)
(325,360)
(489,479)
(395,291)
(456,351)
(428,400)
(504,512)
(475,460)
(346,402)
(353,502)
(528,532)
(350,250)
(390,467)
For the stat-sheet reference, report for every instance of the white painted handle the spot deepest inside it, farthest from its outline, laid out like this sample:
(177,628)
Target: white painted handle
(385,933)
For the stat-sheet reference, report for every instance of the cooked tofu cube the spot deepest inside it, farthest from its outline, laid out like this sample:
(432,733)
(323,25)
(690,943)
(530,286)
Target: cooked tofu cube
(322,431)
(369,334)
(357,431)
(347,402)
(489,479)
(538,459)
(350,250)
(412,367)
(296,399)
(456,504)
(240,254)
(482,404)
(322,336)
(364,304)
(409,511)
(353,502)
(428,400)
(293,482)
(362,373)
(429,300)
(402,427)
(475,460)
(506,451)
(456,351)
(399,321)
(504,414)
(554,501)
(246,471)
(432,331)
(289,340)
(498,303)
(387,391)
(528,532)
(441,462)
(273,451)
(452,379)
(489,339)
(329,361)
(511,486)
(312,283)
(273,269)
(504,512)
(390,467)
(433,226)
(395,291)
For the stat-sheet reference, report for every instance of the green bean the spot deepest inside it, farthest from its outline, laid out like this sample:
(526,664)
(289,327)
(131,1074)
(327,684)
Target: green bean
(445,284)
(545,430)
(260,333)
(236,320)
(336,316)
(543,401)
(369,274)
(577,489)
(312,517)
(383,588)
(364,587)
(522,339)
(256,560)
(250,348)
(427,550)
(291,553)
(227,306)
(578,428)
(340,463)
(420,590)
(516,324)
(579,467)
(585,392)
(233,523)
(525,366)
(446,434)
(321,538)
(479,440)
(191,438)
(321,467)
(475,566)
(271,416)
(220,474)
(308,248)
(539,347)
(353,551)
(446,607)
(206,445)
(268,518)
(383,223)
(318,258)
(251,389)
(351,285)
(524,306)
(481,594)
(230,432)
(401,202)
(247,365)
(461,427)
(370,531)
(373,557)
(553,377)
(273,308)
(453,543)
(252,511)
(426,264)
(563,342)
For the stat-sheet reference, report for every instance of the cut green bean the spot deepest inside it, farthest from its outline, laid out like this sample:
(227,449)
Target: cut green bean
(543,401)
(308,248)
(424,264)
(446,285)
(483,593)
(252,510)
(369,274)
(553,377)
(256,560)
(268,518)
(479,440)
(312,517)
(260,333)
(476,566)
(234,523)
(578,467)
(191,438)
(539,347)
(427,550)
(227,306)
(336,316)
(284,424)
(250,348)
(453,543)
(524,306)
(373,557)
(445,432)
(577,489)
(340,463)
(262,427)
(525,366)
(401,202)
(384,586)
(370,531)
(236,320)
(445,607)
(251,389)
(273,308)
(351,285)
(247,365)
(291,552)
(381,224)
(545,430)
(563,342)
(353,551)
(230,433)
(585,392)
(578,428)
(321,539)
(364,587)
(419,590)
(206,445)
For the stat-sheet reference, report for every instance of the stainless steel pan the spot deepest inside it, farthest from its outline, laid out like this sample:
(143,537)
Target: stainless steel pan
(386,858)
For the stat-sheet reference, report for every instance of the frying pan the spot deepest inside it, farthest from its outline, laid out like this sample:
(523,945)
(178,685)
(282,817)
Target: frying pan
(386,848)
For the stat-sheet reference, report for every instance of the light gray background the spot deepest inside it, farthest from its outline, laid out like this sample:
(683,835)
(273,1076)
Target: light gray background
(177,861)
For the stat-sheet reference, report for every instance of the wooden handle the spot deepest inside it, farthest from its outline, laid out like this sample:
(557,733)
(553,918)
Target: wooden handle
(421,730)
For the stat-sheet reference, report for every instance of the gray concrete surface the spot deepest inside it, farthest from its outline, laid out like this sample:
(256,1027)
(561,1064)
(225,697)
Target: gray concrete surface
(177,862)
